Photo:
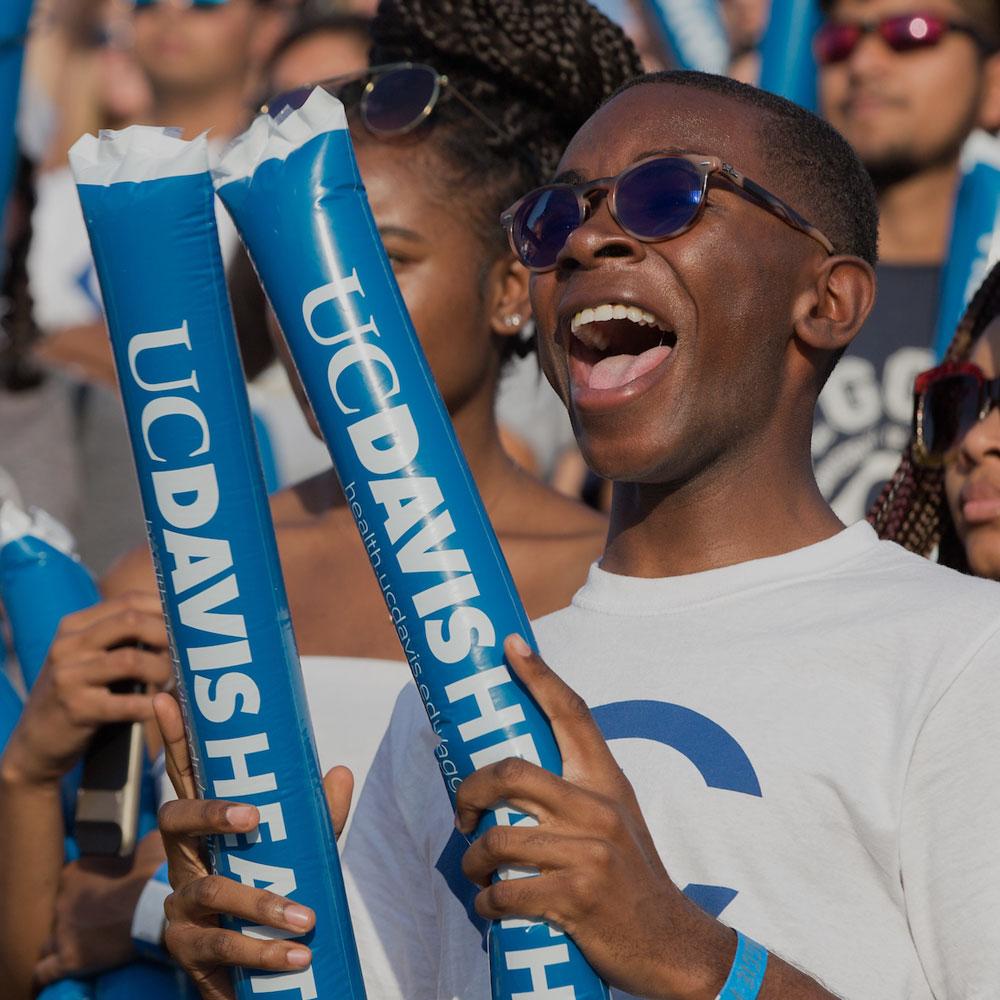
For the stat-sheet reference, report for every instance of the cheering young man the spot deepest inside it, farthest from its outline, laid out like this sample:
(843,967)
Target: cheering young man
(800,719)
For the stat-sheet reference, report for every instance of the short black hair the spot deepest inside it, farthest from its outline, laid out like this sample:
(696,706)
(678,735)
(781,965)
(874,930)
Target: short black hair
(816,170)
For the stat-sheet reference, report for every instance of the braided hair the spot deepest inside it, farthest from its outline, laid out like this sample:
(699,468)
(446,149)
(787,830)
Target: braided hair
(18,330)
(913,508)
(538,69)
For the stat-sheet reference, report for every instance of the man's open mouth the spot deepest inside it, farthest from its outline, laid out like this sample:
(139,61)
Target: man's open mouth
(614,344)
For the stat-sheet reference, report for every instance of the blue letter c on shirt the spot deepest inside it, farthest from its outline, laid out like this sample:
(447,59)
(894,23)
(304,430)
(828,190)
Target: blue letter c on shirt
(718,758)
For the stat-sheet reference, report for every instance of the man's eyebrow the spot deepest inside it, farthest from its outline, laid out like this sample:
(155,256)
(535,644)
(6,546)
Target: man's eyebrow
(568,177)
(668,151)
(575,177)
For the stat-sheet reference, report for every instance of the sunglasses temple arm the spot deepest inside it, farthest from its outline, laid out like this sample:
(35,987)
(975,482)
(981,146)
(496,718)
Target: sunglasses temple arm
(781,209)
(469,106)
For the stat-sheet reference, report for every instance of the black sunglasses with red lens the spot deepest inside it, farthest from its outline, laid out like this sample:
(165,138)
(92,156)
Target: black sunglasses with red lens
(948,402)
(836,40)
(658,198)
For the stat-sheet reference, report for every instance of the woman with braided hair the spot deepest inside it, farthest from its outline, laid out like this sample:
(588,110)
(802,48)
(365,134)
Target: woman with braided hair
(516,79)
(945,493)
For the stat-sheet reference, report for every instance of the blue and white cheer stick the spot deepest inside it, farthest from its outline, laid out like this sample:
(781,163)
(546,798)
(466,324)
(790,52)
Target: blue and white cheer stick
(14,18)
(692,33)
(41,581)
(975,234)
(788,65)
(293,189)
(147,200)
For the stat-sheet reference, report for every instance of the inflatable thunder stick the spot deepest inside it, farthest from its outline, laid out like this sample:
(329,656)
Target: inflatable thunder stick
(41,581)
(692,33)
(293,189)
(148,201)
(10,709)
(14,17)
(975,234)
(788,66)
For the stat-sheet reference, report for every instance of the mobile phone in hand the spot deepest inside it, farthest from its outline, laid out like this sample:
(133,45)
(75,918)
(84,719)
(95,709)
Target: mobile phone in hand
(107,802)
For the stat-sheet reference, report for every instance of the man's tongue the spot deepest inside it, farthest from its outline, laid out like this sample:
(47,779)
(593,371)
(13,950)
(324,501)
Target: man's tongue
(619,369)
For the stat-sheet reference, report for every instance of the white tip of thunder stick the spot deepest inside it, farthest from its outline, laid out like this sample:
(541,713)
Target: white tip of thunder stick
(981,147)
(137,153)
(275,139)
(16,523)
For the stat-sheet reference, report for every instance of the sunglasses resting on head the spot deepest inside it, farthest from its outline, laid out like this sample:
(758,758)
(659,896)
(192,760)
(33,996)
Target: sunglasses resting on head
(394,99)
(658,198)
(837,40)
(949,401)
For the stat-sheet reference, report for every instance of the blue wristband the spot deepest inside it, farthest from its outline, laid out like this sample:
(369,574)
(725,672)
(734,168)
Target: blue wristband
(746,977)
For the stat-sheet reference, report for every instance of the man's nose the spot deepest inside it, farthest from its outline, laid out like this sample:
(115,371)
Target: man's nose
(598,238)
(871,56)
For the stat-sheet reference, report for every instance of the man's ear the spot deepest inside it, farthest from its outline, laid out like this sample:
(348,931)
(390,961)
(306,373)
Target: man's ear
(989,102)
(510,307)
(830,313)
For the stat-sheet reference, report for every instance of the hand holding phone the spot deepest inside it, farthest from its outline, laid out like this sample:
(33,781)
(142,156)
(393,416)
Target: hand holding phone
(72,698)
(107,801)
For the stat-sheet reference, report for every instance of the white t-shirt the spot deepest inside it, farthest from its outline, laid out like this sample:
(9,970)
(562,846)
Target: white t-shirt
(350,703)
(529,407)
(61,272)
(814,739)
(298,453)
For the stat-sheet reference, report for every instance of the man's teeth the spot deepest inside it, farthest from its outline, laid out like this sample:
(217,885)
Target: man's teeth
(601,314)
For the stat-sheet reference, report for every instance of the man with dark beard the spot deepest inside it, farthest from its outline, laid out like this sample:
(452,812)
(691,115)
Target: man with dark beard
(906,82)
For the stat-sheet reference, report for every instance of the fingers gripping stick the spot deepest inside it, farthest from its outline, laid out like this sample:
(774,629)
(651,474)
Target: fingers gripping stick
(148,203)
(294,192)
